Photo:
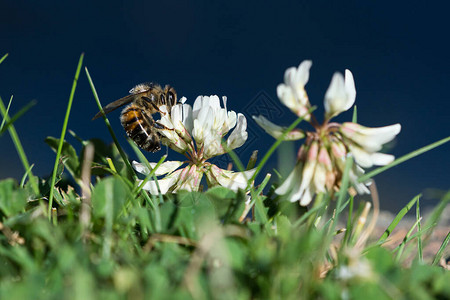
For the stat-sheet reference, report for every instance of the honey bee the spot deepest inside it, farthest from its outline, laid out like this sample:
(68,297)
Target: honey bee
(136,118)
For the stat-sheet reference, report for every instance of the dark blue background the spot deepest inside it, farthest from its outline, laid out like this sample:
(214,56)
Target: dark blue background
(398,54)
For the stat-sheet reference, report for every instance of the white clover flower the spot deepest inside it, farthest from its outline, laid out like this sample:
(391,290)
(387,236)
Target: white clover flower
(321,160)
(198,132)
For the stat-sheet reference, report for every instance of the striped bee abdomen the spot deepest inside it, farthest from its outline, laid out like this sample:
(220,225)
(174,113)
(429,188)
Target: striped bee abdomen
(139,127)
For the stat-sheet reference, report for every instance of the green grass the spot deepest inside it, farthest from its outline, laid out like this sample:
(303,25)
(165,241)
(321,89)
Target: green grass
(195,245)
(18,144)
(63,135)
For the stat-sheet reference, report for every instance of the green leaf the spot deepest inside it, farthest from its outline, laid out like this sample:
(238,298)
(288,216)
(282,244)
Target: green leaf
(228,205)
(12,199)
(381,260)
(109,197)
(367,290)
(187,214)
(284,227)
(237,253)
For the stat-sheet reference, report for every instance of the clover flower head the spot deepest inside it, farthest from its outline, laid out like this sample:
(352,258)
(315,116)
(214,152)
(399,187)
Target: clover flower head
(321,159)
(198,132)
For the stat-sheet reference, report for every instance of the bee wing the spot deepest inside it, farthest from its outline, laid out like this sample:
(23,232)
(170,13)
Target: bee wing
(114,105)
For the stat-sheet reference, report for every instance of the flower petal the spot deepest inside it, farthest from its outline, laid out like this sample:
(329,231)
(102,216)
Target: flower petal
(354,175)
(230,179)
(212,146)
(296,101)
(239,135)
(367,159)
(320,177)
(287,97)
(299,185)
(340,95)
(188,119)
(189,180)
(310,166)
(297,78)
(230,121)
(323,169)
(307,196)
(371,139)
(164,168)
(381,159)
(170,136)
(302,75)
(350,89)
(291,181)
(164,184)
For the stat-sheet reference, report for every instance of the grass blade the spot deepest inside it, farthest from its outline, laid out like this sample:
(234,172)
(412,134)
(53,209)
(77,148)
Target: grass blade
(19,148)
(3,57)
(402,159)
(440,252)
(306,215)
(349,228)
(437,212)
(419,229)
(260,211)
(398,218)
(108,125)
(63,134)
(150,175)
(14,118)
(342,192)
(6,114)
(152,201)
(355,115)
(24,178)
(401,247)
(263,184)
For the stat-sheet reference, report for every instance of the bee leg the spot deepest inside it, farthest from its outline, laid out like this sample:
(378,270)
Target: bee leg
(152,103)
(158,125)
